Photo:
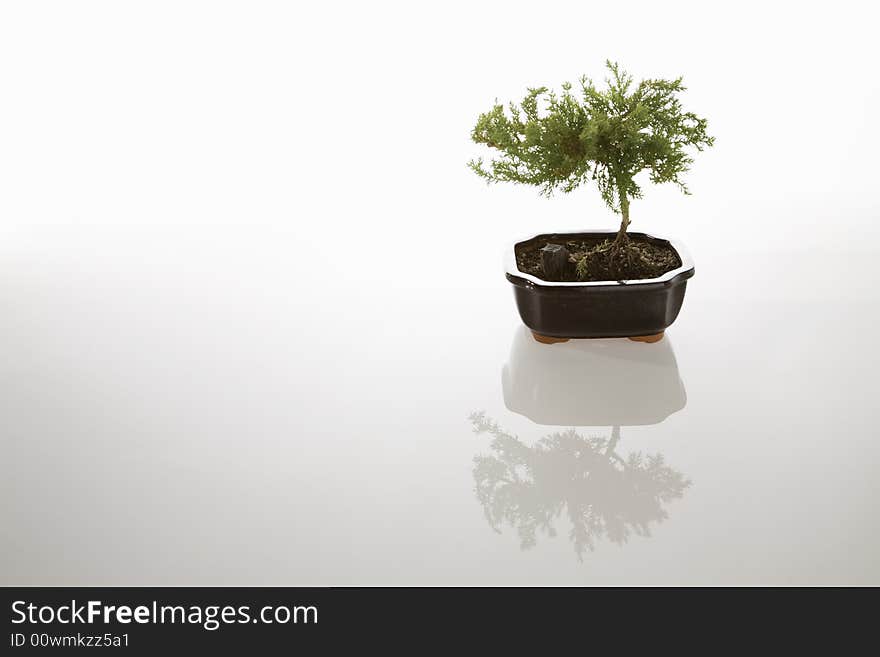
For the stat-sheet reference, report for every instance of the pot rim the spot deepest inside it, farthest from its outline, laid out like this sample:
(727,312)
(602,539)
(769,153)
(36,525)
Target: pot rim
(511,268)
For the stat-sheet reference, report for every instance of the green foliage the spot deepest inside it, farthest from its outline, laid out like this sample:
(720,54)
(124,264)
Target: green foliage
(558,141)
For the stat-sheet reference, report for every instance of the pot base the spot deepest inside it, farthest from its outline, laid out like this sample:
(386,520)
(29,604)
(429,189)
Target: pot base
(648,338)
(547,339)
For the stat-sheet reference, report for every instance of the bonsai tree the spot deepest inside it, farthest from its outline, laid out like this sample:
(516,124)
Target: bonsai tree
(602,494)
(607,136)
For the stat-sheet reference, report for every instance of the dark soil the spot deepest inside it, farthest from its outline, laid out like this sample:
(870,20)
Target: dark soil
(595,259)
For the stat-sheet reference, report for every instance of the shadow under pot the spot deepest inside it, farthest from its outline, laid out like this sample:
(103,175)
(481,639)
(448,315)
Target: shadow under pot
(637,309)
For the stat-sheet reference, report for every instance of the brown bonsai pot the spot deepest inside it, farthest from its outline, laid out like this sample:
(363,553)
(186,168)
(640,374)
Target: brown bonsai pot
(637,309)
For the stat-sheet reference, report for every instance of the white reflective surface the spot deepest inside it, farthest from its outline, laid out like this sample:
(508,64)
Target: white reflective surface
(209,419)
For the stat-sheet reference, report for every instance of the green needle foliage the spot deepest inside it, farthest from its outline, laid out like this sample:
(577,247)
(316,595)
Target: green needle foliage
(557,142)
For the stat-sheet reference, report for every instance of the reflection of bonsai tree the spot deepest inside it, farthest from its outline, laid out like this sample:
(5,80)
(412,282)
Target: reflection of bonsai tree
(602,494)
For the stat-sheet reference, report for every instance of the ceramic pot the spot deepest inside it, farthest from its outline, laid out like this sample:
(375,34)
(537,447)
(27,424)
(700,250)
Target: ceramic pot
(638,309)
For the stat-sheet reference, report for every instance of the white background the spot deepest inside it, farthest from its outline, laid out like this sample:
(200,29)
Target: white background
(250,290)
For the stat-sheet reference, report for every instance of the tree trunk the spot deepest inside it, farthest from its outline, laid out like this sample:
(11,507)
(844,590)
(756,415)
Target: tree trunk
(622,238)
(620,246)
(612,442)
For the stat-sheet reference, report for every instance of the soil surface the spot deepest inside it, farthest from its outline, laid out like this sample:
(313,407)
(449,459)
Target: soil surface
(594,259)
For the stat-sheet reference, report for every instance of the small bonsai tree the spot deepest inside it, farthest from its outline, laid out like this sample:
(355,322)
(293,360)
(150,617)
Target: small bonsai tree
(606,136)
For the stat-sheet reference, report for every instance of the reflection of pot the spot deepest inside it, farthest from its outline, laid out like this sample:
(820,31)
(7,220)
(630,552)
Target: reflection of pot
(592,382)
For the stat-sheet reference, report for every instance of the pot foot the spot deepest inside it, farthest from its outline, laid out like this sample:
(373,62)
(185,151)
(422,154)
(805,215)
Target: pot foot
(648,338)
(546,339)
